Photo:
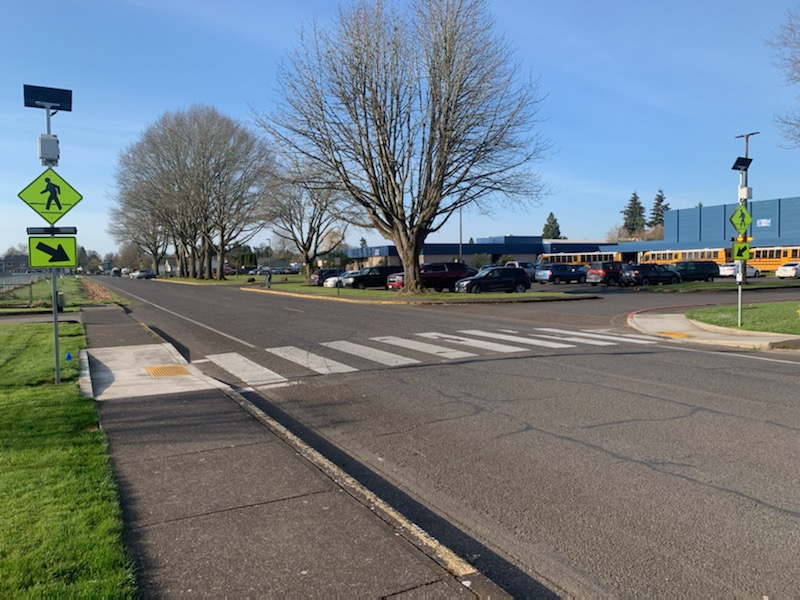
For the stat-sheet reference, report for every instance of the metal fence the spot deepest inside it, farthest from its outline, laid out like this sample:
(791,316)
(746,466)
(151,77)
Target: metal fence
(18,289)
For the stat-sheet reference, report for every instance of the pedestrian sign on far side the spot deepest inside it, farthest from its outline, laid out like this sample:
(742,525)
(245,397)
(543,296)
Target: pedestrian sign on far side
(741,219)
(50,196)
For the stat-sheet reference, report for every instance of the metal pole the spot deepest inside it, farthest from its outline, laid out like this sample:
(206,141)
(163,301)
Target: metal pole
(460,237)
(55,326)
(743,201)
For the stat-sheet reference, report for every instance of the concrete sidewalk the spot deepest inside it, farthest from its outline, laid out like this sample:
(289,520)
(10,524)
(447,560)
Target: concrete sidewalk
(219,500)
(675,325)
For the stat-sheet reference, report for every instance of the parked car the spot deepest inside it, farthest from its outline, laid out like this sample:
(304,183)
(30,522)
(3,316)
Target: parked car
(395,281)
(142,274)
(228,271)
(336,280)
(697,270)
(441,276)
(791,269)
(648,274)
(319,276)
(369,277)
(558,272)
(526,266)
(607,272)
(260,271)
(116,272)
(730,270)
(496,279)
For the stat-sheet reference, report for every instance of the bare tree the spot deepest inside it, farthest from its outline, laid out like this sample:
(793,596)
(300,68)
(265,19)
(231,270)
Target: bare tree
(195,178)
(310,217)
(787,46)
(131,222)
(417,111)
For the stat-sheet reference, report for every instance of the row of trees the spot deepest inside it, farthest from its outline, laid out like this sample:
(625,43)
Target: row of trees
(395,118)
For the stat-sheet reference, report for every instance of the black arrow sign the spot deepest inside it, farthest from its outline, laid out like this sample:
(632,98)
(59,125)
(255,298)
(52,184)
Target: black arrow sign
(56,254)
(741,252)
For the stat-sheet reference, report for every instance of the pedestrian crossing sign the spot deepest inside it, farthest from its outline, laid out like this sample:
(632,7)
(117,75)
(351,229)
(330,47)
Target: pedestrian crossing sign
(50,196)
(741,219)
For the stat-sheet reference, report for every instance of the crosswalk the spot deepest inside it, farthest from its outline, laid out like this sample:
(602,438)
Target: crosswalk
(437,346)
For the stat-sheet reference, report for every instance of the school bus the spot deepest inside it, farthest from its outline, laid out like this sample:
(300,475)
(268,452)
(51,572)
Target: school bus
(770,258)
(578,258)
(665,257)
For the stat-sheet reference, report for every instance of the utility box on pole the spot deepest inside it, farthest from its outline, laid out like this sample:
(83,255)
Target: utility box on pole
(49,152)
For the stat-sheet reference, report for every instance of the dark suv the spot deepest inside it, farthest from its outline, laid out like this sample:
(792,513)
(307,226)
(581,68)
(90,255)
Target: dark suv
(697,270)
(440,276)
(607,272)
(496,279)
(370,277)
(648,274)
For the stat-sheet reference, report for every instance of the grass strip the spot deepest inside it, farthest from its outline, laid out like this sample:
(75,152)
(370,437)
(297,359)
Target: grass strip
(775,317)
(61,527)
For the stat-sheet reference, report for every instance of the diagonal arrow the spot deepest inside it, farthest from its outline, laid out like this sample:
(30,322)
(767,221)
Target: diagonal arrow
(56,255)
(741,252)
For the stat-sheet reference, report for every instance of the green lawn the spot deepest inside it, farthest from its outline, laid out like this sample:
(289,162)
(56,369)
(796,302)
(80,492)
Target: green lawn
(777,317)
(61,526)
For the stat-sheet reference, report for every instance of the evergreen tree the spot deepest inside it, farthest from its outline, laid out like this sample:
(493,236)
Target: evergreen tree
(551,230)
(633,215)
(660,206)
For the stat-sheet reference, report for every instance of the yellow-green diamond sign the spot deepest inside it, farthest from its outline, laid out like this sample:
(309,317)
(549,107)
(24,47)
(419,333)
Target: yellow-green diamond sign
(47,252)
(50,196)
(741,219)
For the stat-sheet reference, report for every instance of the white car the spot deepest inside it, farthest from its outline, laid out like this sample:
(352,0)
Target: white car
(337,281)
(791,269)
(730,270)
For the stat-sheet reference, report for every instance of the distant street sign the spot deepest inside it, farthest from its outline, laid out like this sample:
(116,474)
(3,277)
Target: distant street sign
(741,251)
(741,219)
(48,252)
(50,196)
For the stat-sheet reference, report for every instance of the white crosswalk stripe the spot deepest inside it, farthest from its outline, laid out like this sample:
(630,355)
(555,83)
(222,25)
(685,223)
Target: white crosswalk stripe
(587,341)
(516,339)
(257,376)
(440,351)
(244,369)
(601,336)
(456,339)
(307,359)
(379,356)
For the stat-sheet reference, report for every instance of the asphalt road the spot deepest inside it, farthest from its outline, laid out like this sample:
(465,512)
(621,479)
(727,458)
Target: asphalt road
(603,464)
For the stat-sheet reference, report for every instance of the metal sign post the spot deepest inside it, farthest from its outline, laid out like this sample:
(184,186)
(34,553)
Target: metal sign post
(60,197)
(741,219)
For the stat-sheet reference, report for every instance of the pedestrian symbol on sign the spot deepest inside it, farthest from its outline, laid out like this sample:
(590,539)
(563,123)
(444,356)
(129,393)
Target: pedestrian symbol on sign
(54,190)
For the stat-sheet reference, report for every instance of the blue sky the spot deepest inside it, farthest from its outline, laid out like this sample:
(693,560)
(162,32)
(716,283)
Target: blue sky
(640,96)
